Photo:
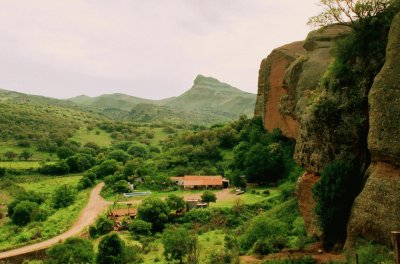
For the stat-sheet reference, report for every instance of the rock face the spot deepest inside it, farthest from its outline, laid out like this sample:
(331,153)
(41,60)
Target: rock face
(287,79)
(376,211)
(307,203)
(289,73)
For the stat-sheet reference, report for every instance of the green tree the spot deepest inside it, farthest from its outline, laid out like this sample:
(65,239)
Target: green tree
(140,228)
(26,154)
(180,244)
(154,211)
(138,150)
(64,152)
(175,202)
(119,155)
(10,155)
(22,212)
(80,162)
(334,194)
(63,196)
(72,250)
(111,250)
(208,197)
(107,167)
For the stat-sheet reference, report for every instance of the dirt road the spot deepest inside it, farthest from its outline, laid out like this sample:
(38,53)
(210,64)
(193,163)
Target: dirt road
(95,206)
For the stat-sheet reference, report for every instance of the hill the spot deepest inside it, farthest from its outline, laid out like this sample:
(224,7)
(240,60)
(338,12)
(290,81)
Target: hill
(207,102)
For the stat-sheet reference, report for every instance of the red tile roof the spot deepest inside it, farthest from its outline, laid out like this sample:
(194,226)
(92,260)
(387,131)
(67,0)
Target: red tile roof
(189,180)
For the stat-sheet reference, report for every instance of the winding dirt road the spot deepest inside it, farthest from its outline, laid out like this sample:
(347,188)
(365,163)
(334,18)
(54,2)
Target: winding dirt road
(95,206)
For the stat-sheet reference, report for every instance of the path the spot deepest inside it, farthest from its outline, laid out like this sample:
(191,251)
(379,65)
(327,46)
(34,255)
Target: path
(95,206)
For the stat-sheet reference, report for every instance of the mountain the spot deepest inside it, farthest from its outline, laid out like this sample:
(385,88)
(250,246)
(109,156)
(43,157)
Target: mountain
(209,94)
(208,101)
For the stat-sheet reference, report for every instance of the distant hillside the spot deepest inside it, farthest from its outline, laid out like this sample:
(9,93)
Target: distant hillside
(209,94)
(38,118)
(208,101)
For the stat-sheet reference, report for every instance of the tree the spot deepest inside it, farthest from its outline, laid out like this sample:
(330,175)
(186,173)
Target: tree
(72,250)
(175,202)
(80,162)
(106,168)
(63,196)
(64,152)
(334,194)
(111,250)
(138,150)
(140,228)
(119,155)
(178,244)
(347,12)
(10,155)
(25,155)
(22,212)
(154,211)
(208,197)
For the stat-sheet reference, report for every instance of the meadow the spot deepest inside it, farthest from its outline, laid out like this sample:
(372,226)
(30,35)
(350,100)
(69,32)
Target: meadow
(12,236)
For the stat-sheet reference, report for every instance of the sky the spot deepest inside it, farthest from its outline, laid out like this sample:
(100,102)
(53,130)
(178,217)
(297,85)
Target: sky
(146,48)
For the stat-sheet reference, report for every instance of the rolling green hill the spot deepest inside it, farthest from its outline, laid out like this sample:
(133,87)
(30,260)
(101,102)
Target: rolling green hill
(207,102)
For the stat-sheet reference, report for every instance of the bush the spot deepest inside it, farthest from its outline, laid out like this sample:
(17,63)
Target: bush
(59,168)
(63,196)
(102,226)
(265,230)
(208,197)
(201,216)
(3,172)
(334,194)
(72,250)
(22,212)
(140,228)
(154,211)
(111,250)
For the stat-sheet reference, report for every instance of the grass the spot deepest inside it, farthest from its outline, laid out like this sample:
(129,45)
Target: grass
(46,184)
(227,201)
(21,164)
(37,155)
(59,221)
(98,136)
(209,242)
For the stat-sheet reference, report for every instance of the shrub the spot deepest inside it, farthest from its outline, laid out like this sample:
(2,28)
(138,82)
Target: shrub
(72,250)
(334,194)
(22,212)
(111,250)
(63,196)
(266,230)
(201,216)
(208,197)
(154,211)
(140,228)
(59,168)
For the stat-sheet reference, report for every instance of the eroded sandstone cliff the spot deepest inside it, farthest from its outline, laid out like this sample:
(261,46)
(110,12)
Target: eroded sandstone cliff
(376,211)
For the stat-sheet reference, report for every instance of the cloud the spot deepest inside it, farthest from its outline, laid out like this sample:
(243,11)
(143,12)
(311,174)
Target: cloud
(66,48)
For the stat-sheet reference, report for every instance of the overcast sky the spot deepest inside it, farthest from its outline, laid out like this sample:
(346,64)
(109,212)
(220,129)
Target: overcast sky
(146,48)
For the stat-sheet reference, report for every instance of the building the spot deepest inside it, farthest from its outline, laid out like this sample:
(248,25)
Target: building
(189,182)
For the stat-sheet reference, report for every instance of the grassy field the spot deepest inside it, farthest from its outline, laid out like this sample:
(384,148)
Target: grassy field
(97,136)
(46,184)
(59,220)
(37,155)
(22,164)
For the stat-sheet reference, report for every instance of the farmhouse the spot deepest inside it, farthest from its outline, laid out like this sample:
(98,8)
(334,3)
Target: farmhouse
(200,182)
